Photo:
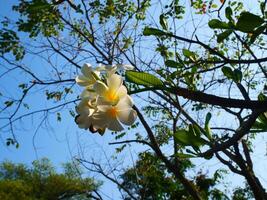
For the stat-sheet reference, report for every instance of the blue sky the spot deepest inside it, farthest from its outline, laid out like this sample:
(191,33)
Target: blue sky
(62,140)
(58,141)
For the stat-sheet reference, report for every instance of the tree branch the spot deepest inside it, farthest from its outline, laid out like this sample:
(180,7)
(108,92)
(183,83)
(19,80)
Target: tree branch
(187,184)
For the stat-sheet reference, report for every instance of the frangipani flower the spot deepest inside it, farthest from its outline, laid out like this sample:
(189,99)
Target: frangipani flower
(111,116)
(104,101)
(112,92)
(111,69)
(85,110)
(89,76)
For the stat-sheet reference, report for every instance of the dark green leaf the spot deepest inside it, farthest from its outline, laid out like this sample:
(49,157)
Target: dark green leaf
(172,64)
(228,13)
(256,33)
(217,24)
(153,31)
(222,36)
(247,22)
(184,155)
(142,78)
(262,7)
(228,72)
(187,138)
(163,21)
(207,127)
(9,103)
(237,75)
(262,97)
(189,54)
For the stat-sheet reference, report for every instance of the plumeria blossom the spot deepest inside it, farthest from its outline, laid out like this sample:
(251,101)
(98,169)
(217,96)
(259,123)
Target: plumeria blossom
(85,110)
(111,69)
(88,77)
(105,103)
(112,92)
(111,116)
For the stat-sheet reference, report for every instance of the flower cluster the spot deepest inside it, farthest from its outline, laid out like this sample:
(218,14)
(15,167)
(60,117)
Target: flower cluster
(105,103)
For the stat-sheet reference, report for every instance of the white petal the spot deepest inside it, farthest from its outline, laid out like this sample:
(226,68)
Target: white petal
(126,67)
(122,91)
(127,117)
(125,103)
(114,82)
(103,101)
(114,125)
(111,71)
(82,107)
(86,70)
(100,120)
(101,67)
(82,80)
(103,108)
(84,121)
(100,88)
(88,94)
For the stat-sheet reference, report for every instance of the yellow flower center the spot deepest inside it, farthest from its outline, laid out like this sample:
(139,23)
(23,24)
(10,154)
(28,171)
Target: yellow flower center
(112,112)
(111,96)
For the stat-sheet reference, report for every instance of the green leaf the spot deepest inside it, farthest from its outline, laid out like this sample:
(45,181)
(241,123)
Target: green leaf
(142,78)
(247,22)
(228,72)
(163,21)
(59,117)
(184,155)
(222,36)
(228,13)
(256,33)
(262,97)
(207,127)
(262,7)
(187,138)
(172,64)
(189,54)
(153,31)
(9,103)
(260,124)
(237,75)
(217,24)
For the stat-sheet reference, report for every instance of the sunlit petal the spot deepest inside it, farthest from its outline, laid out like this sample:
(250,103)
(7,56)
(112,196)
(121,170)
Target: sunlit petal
(122,91)
(88,94)
(103,101)
(115,125)
(100,120)
(103,108)
(125,103)
(82,80)
(127,117)
(114,82)
(100,88)
(86,70)
(125,67)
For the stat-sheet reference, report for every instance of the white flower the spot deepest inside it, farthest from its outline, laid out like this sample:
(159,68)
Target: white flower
(108,69)
(111,116)
(104,101)
(125,67)
(111,69)
(89,76)
(85,110)
(112,92)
